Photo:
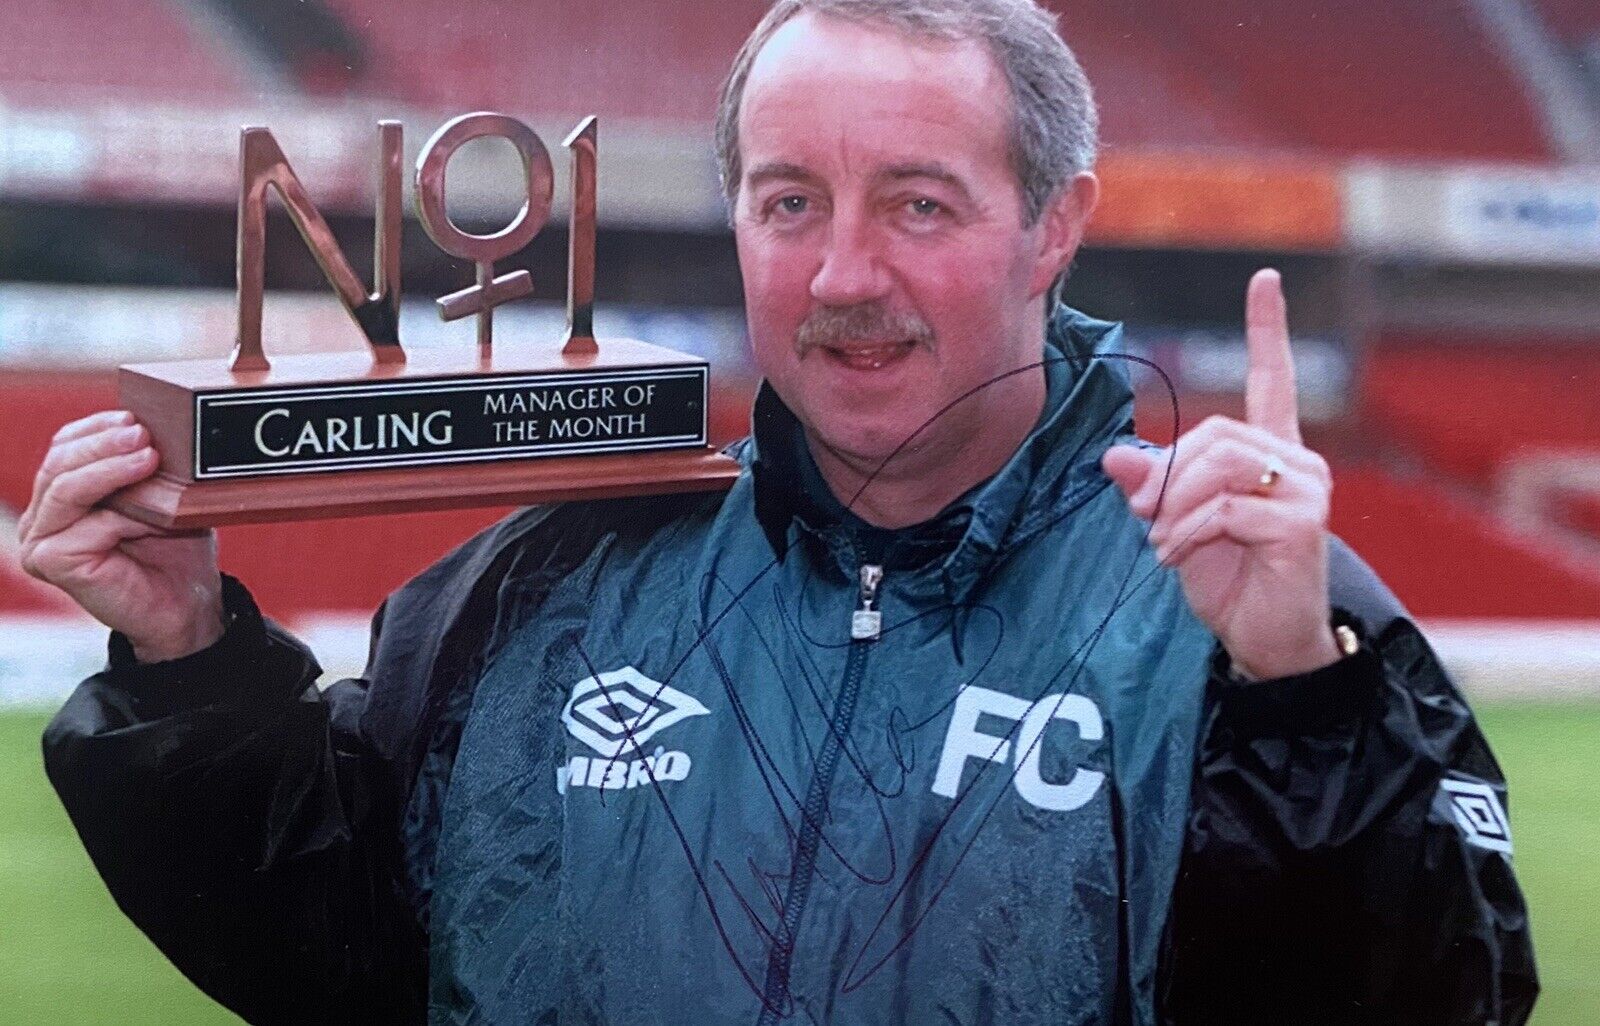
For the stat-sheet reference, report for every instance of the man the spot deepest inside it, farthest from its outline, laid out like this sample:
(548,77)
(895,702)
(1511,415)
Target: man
(924,721)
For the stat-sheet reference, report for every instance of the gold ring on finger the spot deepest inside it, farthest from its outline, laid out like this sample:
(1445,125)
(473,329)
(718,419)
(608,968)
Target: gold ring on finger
(1271,473)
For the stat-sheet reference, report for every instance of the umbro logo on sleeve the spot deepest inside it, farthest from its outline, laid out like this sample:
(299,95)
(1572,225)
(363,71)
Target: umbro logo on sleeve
(1479,814)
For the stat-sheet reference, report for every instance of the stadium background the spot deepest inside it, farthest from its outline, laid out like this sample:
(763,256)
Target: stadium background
(1425,172)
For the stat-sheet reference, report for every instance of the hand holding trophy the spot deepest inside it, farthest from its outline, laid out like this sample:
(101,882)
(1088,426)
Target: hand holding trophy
(158,586)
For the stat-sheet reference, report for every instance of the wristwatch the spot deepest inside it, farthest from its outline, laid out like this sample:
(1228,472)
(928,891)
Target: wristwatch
(1345,639)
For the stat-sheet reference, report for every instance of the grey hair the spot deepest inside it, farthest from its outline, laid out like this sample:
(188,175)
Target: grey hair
(1054,125)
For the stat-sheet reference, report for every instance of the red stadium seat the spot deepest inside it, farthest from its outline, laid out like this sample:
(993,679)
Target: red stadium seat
(1406,78)
(1446,558)
(1575,22)
(1468,405)
(1581,512)
(1410,78)
(630,59)
(1150,94)
(53,51)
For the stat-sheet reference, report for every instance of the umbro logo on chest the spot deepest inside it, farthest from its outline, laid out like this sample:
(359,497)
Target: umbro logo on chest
(616,713)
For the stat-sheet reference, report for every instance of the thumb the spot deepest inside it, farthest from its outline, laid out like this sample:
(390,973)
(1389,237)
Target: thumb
(1130,467)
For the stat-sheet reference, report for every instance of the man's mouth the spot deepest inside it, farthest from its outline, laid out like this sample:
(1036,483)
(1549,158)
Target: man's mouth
(869,355)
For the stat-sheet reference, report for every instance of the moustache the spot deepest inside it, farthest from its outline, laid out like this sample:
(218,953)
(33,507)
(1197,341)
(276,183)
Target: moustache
(860,322)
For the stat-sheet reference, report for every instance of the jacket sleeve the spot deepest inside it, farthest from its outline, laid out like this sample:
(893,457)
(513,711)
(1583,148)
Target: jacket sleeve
(1348,857)
(231,816)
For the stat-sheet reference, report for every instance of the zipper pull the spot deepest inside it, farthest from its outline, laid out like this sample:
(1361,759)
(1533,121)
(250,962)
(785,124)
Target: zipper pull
(866,623)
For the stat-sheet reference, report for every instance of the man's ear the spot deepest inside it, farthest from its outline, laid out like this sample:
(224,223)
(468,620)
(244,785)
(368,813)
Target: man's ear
(1061,226)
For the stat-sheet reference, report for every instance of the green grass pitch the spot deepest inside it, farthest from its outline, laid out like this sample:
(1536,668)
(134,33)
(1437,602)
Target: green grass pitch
(67,957)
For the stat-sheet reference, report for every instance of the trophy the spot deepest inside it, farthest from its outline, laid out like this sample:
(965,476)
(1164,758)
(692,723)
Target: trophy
(344,433)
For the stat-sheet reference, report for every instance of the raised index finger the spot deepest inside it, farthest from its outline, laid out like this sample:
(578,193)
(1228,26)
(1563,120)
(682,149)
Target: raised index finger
(1270,400)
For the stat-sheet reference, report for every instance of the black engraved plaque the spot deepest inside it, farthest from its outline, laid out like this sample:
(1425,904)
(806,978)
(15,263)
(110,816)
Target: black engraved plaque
(417,422)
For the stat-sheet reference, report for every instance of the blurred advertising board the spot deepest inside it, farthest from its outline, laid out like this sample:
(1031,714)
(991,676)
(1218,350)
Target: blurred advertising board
(1490,215)
(1215,201)
(1213,361)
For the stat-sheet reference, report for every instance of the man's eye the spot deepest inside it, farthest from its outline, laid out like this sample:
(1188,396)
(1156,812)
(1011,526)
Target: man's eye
(792,204)
(924,207)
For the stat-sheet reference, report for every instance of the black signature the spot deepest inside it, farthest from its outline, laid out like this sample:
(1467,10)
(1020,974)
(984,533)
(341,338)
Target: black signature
(788,802)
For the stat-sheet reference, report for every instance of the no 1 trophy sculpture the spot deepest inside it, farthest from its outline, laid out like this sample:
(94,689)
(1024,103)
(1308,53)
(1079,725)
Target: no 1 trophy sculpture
(507,422)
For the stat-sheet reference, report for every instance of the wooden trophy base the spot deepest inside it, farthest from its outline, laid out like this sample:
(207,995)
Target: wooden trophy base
(287,443)
(164,501)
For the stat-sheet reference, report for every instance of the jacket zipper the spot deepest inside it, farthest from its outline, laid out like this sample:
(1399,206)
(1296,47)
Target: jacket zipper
(866,624)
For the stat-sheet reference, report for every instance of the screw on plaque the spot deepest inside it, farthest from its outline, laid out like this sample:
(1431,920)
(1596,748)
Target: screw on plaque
(484,250)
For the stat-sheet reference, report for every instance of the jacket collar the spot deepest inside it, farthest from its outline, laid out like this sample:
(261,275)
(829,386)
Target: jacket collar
(1088,404)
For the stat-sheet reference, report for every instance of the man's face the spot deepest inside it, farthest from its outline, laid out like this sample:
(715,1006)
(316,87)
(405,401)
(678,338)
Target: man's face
(880,231)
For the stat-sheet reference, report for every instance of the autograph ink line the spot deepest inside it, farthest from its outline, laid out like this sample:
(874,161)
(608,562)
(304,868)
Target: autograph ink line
(813,834)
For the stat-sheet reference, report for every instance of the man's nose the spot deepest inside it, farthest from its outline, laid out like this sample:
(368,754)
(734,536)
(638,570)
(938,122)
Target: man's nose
(851,270)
